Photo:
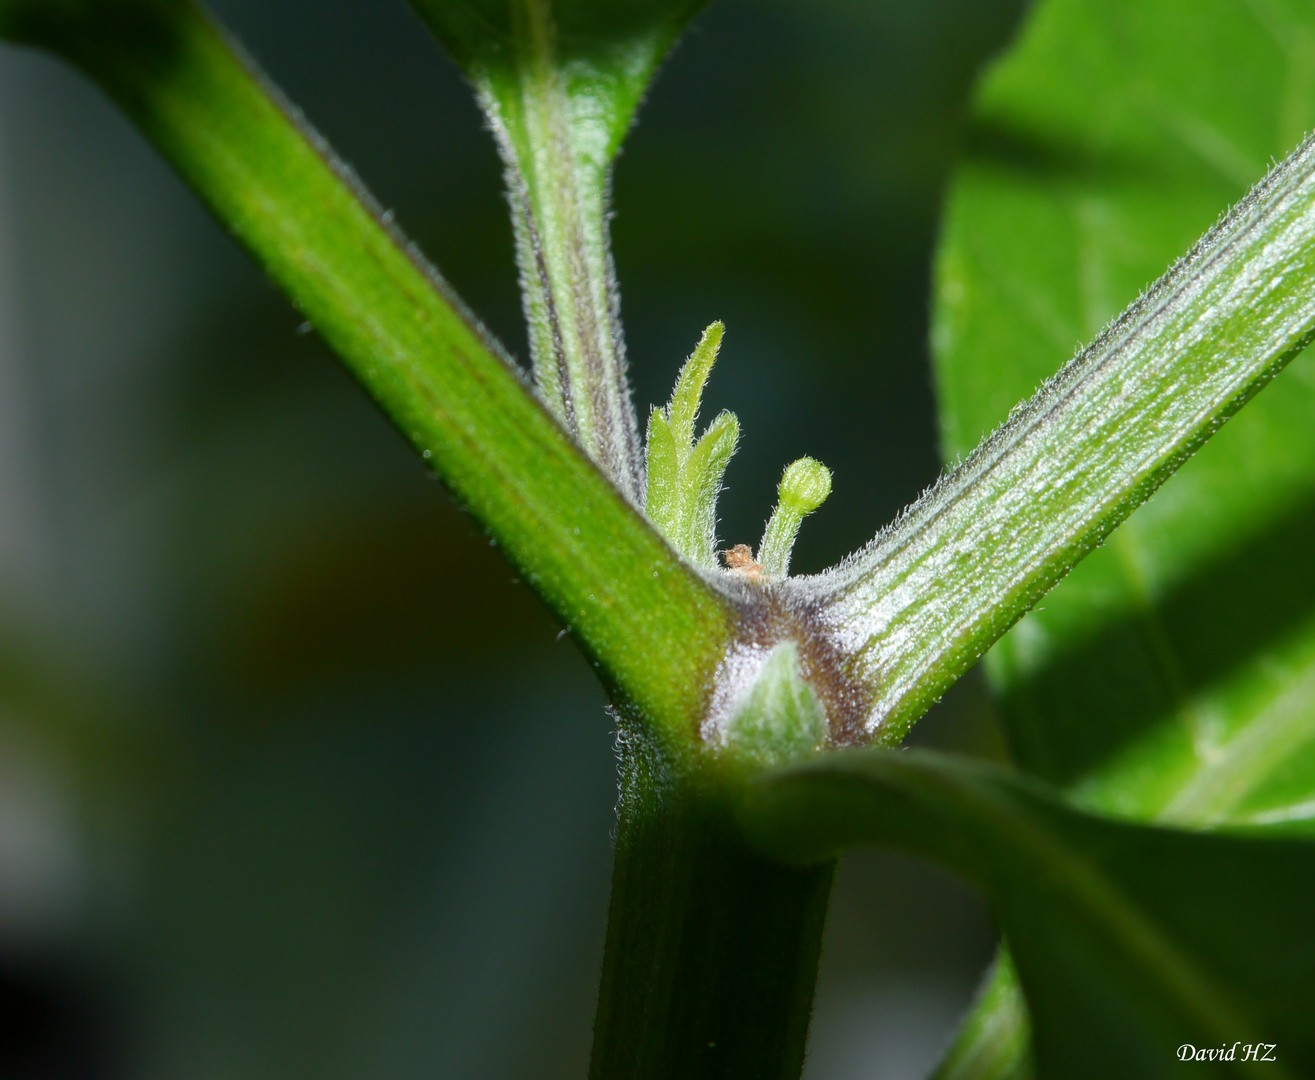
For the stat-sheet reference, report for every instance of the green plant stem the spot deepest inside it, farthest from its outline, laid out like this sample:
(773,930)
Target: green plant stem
(712,949)
(930,594)
(560,84)
(708,941)
(557,141)
(652,628)
(558,162)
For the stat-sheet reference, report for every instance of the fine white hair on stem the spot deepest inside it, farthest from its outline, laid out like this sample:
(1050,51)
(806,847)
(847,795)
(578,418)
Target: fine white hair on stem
(935,588)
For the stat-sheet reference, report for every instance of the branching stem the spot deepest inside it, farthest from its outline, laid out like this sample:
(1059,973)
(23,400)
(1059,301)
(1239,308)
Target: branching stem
(652,628)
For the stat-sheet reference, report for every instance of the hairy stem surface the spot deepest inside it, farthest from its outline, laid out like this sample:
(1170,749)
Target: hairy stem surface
(930,594)
(558,160)
(712,949)
(560,84)
(652,628)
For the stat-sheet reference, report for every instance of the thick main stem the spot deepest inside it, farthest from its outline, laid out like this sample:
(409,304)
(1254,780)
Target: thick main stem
(558,152)
(712,950)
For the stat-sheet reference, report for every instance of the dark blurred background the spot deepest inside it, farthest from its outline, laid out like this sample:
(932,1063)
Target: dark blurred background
(295,779)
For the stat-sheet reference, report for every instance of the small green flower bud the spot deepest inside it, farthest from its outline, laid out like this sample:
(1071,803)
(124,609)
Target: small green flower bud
(804,487)
(780,718)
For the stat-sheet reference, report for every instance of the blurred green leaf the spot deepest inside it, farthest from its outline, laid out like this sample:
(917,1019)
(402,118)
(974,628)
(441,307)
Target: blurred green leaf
(1098,150)
(1130,940)
(1171,676)
(995,1041)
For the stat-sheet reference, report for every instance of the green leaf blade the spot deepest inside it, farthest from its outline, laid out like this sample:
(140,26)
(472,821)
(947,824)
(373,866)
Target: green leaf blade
(664,501)
(1114,927)
(701,481)
(683,411)
(1167,677)
(1190,623)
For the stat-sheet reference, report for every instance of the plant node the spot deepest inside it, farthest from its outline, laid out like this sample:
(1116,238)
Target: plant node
(779,717)
(684,477)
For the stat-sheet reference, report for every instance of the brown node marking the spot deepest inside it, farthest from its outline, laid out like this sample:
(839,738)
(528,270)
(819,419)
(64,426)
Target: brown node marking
(740,559)
(770,612)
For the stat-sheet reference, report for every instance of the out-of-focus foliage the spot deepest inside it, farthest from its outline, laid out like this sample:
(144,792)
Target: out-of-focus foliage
(1130,941)
(1168,675)
(1172,675)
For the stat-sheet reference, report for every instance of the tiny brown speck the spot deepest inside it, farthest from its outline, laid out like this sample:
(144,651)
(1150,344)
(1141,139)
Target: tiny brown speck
(740,558)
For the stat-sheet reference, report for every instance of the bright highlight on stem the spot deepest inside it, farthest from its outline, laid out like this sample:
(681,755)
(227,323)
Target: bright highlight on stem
(937,588)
